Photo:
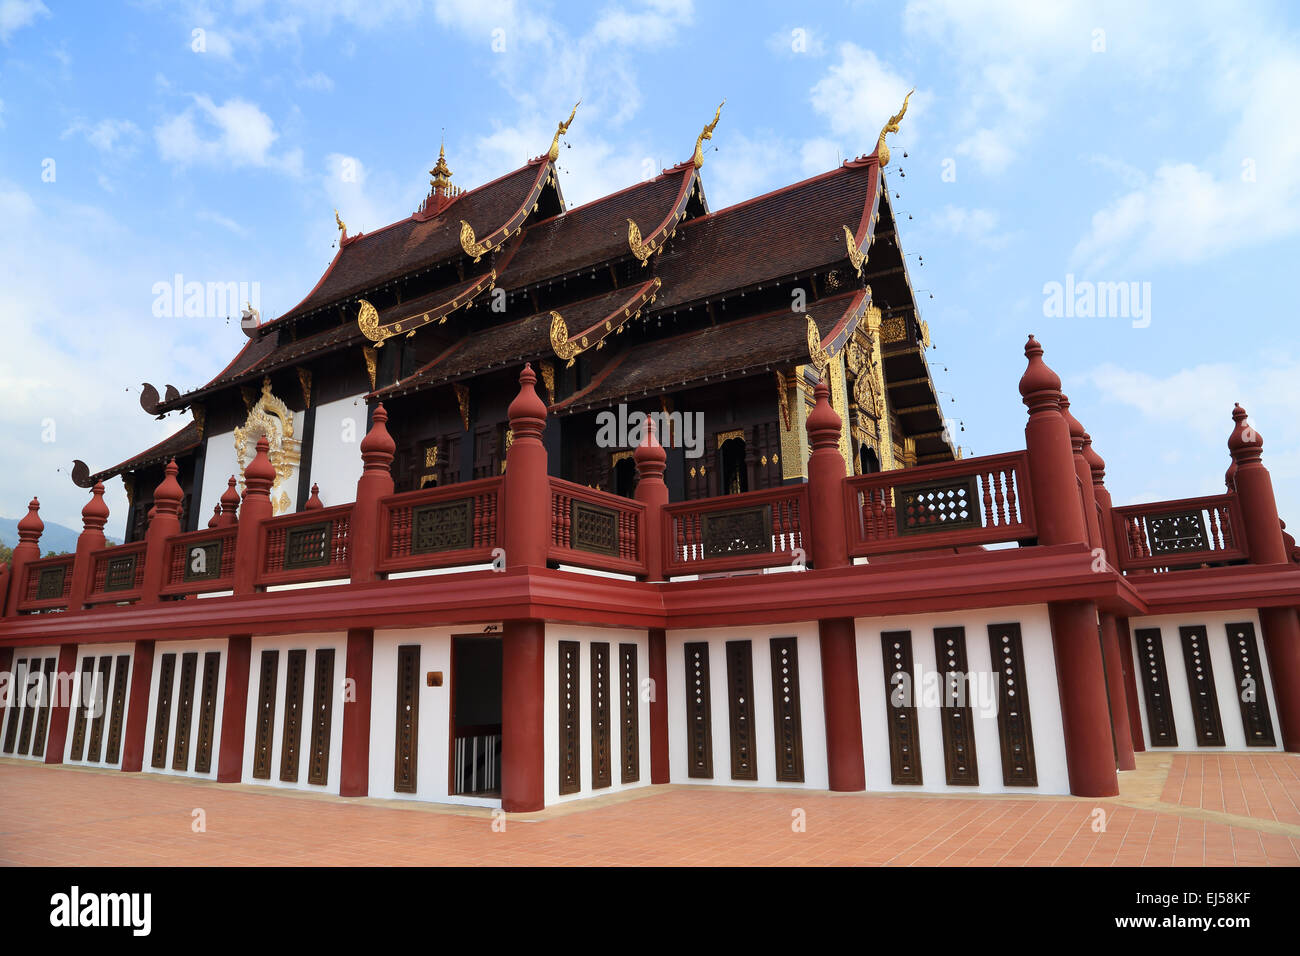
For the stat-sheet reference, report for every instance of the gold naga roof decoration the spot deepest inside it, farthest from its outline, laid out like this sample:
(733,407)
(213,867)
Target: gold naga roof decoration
(821,357)
(554,152)
(856,256)
(568,349)
(368,316)
(882,149)
(706,133)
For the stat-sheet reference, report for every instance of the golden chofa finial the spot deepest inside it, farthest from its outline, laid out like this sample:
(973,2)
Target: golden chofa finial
(343,226)
(441,181)
(707,133)
(882,150)
(560,130)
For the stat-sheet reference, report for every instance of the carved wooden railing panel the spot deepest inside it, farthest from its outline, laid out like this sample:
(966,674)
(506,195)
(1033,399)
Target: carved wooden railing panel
(971,502)
(200,561)
(47,584)
(116,574)
(759,529)
(596,529)
(1185,533)
(440,527)
(307,546)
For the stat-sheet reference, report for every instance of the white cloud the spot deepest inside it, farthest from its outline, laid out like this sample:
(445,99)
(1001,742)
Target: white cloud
(108,135)
(235,134)
(207,215)
(978,226)
(317,81)
(16,14)
(859,93)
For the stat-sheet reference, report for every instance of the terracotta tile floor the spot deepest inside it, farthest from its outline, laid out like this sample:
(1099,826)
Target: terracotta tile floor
(1181,809)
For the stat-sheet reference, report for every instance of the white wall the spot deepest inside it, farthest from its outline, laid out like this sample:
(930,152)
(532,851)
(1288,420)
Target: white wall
(95,652)
(1215,624)
(433,744)
(1043,695)
(311,643)
(18,700)
(220,462)
(812,717)
(180,648)
(336,449)
(585,636)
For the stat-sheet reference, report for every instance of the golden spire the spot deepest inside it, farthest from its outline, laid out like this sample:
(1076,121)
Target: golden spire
(707,133)
(560,130)
(882,150)
(441,174)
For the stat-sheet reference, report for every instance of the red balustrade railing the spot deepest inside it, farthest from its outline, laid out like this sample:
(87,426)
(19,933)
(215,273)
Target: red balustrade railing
(970,502)
(307,546)
(200,561)
(596,529)
(758,529)
(440,527)
(48,583)
(1185,533)
(116,574)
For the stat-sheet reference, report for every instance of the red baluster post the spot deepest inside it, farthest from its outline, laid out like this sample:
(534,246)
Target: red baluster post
(93,518)
(259,475)
(26,551)
(376,482)
(164,523)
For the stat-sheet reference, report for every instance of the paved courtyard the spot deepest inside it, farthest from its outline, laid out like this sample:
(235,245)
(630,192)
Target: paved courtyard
(1180,809)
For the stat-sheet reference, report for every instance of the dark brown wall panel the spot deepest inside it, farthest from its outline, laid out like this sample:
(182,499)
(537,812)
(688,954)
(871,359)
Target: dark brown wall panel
(318,770)
(185,711)
(406,746)
(13,710)
(601,774)
(629,712)
(570,685)
(291,738)
(900,707)
(1200,686)
(785,709)
(1251,690)
(207,711)
(120,674)
(85,700)
(30,689)
(47,703)
(99,707)
(1014,730)
(265,715)
(699,718)
(958,722)
(162,719)
(1155,687)
(740,709)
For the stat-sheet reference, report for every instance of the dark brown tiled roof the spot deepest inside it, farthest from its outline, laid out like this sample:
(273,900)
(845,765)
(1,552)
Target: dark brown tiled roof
(513,342)
(181,442)
(791,231)
(403,247)
(736,348)
(593,233)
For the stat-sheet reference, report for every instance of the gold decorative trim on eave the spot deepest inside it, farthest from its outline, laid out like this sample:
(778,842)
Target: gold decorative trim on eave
(856,256)
(368,317)
(472,246)
(568,349)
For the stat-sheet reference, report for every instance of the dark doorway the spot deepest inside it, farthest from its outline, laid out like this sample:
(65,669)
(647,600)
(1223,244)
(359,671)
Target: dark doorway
(870,463)
(735,480)
(476,716)
(625,477)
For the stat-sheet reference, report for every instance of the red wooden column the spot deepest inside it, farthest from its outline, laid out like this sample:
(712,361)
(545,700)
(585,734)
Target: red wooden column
(93,518)
(354,776)
(1130,684)
(61,704)
(651,459)
(1266,545)
(526,534)
(660,771)
(837,637)
(1080,673)
(234,709)
(27,549)
(376,482)
(137,708)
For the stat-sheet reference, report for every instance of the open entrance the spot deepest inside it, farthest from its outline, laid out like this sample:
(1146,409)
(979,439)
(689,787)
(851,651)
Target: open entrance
(476,715)
(869,462)
(735,480)
(625,477)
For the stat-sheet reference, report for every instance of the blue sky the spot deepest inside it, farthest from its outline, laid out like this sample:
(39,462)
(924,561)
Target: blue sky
(1111,142)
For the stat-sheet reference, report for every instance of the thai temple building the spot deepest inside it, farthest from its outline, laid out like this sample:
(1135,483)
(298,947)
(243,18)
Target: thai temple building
(524,504)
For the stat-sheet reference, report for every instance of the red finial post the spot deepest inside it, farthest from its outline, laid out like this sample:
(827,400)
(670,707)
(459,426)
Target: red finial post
(314,503)
(826,473)
(164,523)
(1266,545)
(1084,474)
(376,482)
(259,476)
(27,550)
(1080,670)
(229,505)
(93,518)
(527,515)
(651,461)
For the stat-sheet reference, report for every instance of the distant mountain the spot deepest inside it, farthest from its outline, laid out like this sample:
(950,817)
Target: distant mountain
(55,537)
